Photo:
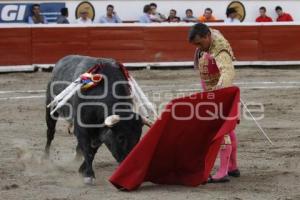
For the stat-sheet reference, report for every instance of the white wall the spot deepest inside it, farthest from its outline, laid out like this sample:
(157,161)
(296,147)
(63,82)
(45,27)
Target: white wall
(132,9)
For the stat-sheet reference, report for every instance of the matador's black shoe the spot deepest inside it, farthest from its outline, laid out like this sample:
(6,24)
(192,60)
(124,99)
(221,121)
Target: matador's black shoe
(234,173)
(219,180)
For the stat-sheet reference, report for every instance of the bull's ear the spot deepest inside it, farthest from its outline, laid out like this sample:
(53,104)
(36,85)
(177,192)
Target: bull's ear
(111,120)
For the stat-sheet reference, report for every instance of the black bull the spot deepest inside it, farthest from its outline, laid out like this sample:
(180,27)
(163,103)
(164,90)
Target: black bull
(100,115)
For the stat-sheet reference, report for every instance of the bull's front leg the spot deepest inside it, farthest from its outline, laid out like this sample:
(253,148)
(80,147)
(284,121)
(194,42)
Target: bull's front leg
(86,169)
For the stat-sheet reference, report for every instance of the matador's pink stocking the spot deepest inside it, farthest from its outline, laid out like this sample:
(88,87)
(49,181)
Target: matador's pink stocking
(225,152)
(233,157)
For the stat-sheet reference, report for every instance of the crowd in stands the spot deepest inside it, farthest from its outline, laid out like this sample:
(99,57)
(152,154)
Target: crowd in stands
(151,15)
(282,16)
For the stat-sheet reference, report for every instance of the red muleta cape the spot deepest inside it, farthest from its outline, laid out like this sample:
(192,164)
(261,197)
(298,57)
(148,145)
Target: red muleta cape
(177,151)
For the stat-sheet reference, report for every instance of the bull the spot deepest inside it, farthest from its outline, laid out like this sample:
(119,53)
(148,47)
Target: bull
(101,115)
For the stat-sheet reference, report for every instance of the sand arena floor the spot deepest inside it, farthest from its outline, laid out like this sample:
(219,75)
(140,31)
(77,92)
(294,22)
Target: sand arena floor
(268,172)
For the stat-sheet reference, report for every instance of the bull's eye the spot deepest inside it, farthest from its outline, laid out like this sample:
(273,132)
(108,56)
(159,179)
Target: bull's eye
(121,138)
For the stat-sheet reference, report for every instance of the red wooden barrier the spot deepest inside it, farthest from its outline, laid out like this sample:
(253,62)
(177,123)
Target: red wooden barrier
(168,44)
(46,45)
(51,44)
(15,46)
(280,42)
(125,44)
(245,41)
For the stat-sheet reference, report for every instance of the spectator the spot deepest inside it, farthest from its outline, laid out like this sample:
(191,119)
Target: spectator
(207,16)
(172,16)
(189,17)
(36,17)
(84,18)
(63,18)
(145,18)
(155,15)
(282,16)
(111,16)
(263,17)
(231,16)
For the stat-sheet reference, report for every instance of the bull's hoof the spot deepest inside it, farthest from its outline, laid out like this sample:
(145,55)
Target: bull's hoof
(89,181)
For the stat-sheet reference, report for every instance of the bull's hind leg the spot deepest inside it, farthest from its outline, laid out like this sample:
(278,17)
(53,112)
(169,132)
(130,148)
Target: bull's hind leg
(51,123)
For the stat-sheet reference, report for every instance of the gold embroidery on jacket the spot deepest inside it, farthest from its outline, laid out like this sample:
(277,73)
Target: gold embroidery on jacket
(219,44)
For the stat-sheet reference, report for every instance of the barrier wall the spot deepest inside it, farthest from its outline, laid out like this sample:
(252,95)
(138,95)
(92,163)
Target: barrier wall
(47,44)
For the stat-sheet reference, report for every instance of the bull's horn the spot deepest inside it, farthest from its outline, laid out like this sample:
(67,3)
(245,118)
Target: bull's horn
(147,122)
(111,120)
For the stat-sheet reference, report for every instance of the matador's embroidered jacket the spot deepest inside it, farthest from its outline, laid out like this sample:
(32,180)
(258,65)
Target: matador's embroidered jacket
(216,65)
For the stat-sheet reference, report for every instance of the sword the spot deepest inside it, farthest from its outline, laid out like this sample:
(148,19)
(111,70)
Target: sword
(257,124)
